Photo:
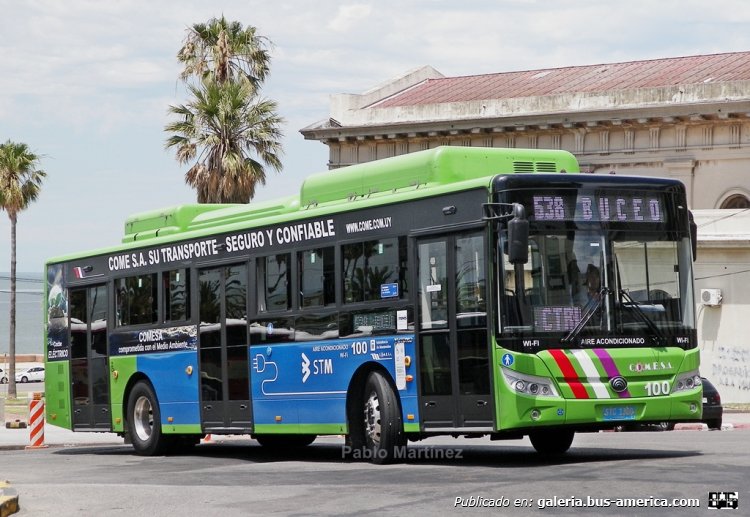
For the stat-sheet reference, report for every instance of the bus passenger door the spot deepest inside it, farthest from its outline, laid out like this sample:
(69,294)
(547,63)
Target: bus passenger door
(454,367)
(88,364)
(223,344)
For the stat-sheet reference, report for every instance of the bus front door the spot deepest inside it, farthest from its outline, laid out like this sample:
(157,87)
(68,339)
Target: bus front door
(223,344)
(453,348)
(88,358)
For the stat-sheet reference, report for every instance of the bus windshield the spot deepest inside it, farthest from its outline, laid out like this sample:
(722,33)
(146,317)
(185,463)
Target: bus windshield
(586,284)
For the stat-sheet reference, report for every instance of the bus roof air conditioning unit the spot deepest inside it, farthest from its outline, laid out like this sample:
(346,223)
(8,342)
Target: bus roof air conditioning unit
(711,297)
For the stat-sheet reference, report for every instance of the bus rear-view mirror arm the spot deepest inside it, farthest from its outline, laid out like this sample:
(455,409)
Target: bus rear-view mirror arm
(518,236)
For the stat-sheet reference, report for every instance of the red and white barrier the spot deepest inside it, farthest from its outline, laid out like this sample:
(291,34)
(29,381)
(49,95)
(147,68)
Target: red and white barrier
(36,422)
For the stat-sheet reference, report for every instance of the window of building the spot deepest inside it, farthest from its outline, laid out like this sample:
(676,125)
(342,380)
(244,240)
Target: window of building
(176,295)
(736,201)
(137,300)
(374,270)
(317,282)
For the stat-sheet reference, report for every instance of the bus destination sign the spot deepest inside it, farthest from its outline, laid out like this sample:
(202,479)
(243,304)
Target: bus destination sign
(623,207)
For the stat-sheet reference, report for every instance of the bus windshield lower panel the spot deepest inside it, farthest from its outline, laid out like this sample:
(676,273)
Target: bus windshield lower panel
(597,287)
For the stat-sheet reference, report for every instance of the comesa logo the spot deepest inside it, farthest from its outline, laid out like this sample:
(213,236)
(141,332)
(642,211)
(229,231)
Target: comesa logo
(305,368)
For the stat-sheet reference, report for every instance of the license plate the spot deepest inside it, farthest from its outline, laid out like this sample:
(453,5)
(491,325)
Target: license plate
(619,413)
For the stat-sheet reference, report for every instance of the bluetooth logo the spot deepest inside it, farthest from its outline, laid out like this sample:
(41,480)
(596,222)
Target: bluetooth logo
(305,368)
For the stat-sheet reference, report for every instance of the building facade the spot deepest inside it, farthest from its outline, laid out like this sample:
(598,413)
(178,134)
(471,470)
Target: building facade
(687,118)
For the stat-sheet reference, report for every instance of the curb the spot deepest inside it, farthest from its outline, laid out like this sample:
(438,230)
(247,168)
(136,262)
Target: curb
(704,427)
(8,499)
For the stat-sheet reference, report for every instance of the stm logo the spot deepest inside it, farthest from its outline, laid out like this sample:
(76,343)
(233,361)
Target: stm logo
(315,367)
(305,368)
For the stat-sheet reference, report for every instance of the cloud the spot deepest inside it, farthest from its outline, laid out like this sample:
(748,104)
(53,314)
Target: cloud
(87,83)
(349,16)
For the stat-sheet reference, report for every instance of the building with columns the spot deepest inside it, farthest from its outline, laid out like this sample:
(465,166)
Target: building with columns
(685,117)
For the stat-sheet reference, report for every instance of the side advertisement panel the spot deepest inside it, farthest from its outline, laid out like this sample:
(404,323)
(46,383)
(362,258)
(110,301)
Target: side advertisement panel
(306,383)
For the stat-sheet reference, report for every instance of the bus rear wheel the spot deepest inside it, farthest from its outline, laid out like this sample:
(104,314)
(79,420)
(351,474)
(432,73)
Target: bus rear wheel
(551,441)
(144,421)
(383,428)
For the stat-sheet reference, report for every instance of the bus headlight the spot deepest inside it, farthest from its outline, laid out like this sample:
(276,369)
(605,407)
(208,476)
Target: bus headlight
(529,384)
(687,381)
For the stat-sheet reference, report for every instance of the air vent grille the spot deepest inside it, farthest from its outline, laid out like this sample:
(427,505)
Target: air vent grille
(523,166)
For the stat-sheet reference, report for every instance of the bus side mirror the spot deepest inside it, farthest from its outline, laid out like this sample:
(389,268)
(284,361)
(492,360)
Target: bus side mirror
(518,236)
(693,235)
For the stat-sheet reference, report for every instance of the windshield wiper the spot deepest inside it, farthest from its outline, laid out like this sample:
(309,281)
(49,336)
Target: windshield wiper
(657,336)
(588,312)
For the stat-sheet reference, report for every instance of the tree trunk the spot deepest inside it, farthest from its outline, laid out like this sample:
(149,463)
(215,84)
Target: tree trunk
(12,338)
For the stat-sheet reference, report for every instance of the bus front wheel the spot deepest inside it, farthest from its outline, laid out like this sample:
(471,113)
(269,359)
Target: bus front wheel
(383,428)
(144,421)
(551,441)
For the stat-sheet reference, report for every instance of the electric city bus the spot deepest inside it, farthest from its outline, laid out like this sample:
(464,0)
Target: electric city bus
(453,291)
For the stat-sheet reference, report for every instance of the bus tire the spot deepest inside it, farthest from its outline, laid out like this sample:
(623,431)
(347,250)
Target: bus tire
(144,421)
(551,441)
(285,441)
(383,427)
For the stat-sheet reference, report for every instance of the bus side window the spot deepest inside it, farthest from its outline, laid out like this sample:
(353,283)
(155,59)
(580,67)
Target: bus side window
(274,284)
(316,277)
(137,300)
(375,267)
(176,292)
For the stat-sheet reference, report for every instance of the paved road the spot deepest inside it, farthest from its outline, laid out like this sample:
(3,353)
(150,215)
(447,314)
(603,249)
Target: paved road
(22,388)
(238,477)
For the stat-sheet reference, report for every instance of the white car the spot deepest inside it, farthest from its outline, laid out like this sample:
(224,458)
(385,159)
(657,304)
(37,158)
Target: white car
(3,377)
(33,374)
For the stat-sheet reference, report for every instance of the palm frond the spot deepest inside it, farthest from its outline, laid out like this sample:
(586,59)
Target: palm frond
(20,179)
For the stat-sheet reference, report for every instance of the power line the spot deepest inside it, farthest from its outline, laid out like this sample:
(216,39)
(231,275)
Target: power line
(723,274)
(722,218)
(22,279)
(22,291)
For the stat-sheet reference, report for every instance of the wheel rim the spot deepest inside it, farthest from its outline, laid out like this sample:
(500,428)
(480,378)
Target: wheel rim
(372,418)
(143,418)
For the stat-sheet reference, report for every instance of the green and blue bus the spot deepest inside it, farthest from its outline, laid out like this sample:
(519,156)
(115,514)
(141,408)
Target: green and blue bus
(453,291)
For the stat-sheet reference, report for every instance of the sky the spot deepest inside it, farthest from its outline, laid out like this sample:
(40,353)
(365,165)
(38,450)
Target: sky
(87,83)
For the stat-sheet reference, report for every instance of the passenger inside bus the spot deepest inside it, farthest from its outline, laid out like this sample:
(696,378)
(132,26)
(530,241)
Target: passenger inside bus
(593,282)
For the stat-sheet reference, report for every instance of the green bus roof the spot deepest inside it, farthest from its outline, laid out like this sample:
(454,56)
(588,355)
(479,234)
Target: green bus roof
(410,176)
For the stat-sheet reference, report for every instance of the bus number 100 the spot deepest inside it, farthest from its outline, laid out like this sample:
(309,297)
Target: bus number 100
(360,347)
(654,389)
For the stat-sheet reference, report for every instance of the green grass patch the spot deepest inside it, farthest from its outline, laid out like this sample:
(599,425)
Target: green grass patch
(21,401)
(15,409)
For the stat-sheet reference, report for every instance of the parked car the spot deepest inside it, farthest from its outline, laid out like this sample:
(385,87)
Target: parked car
(33,374)
(3,376)
(712,408)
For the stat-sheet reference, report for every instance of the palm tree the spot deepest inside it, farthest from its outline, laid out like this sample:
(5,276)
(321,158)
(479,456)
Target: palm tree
(224,50)
(223,127)
(230,132)
(20,183)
